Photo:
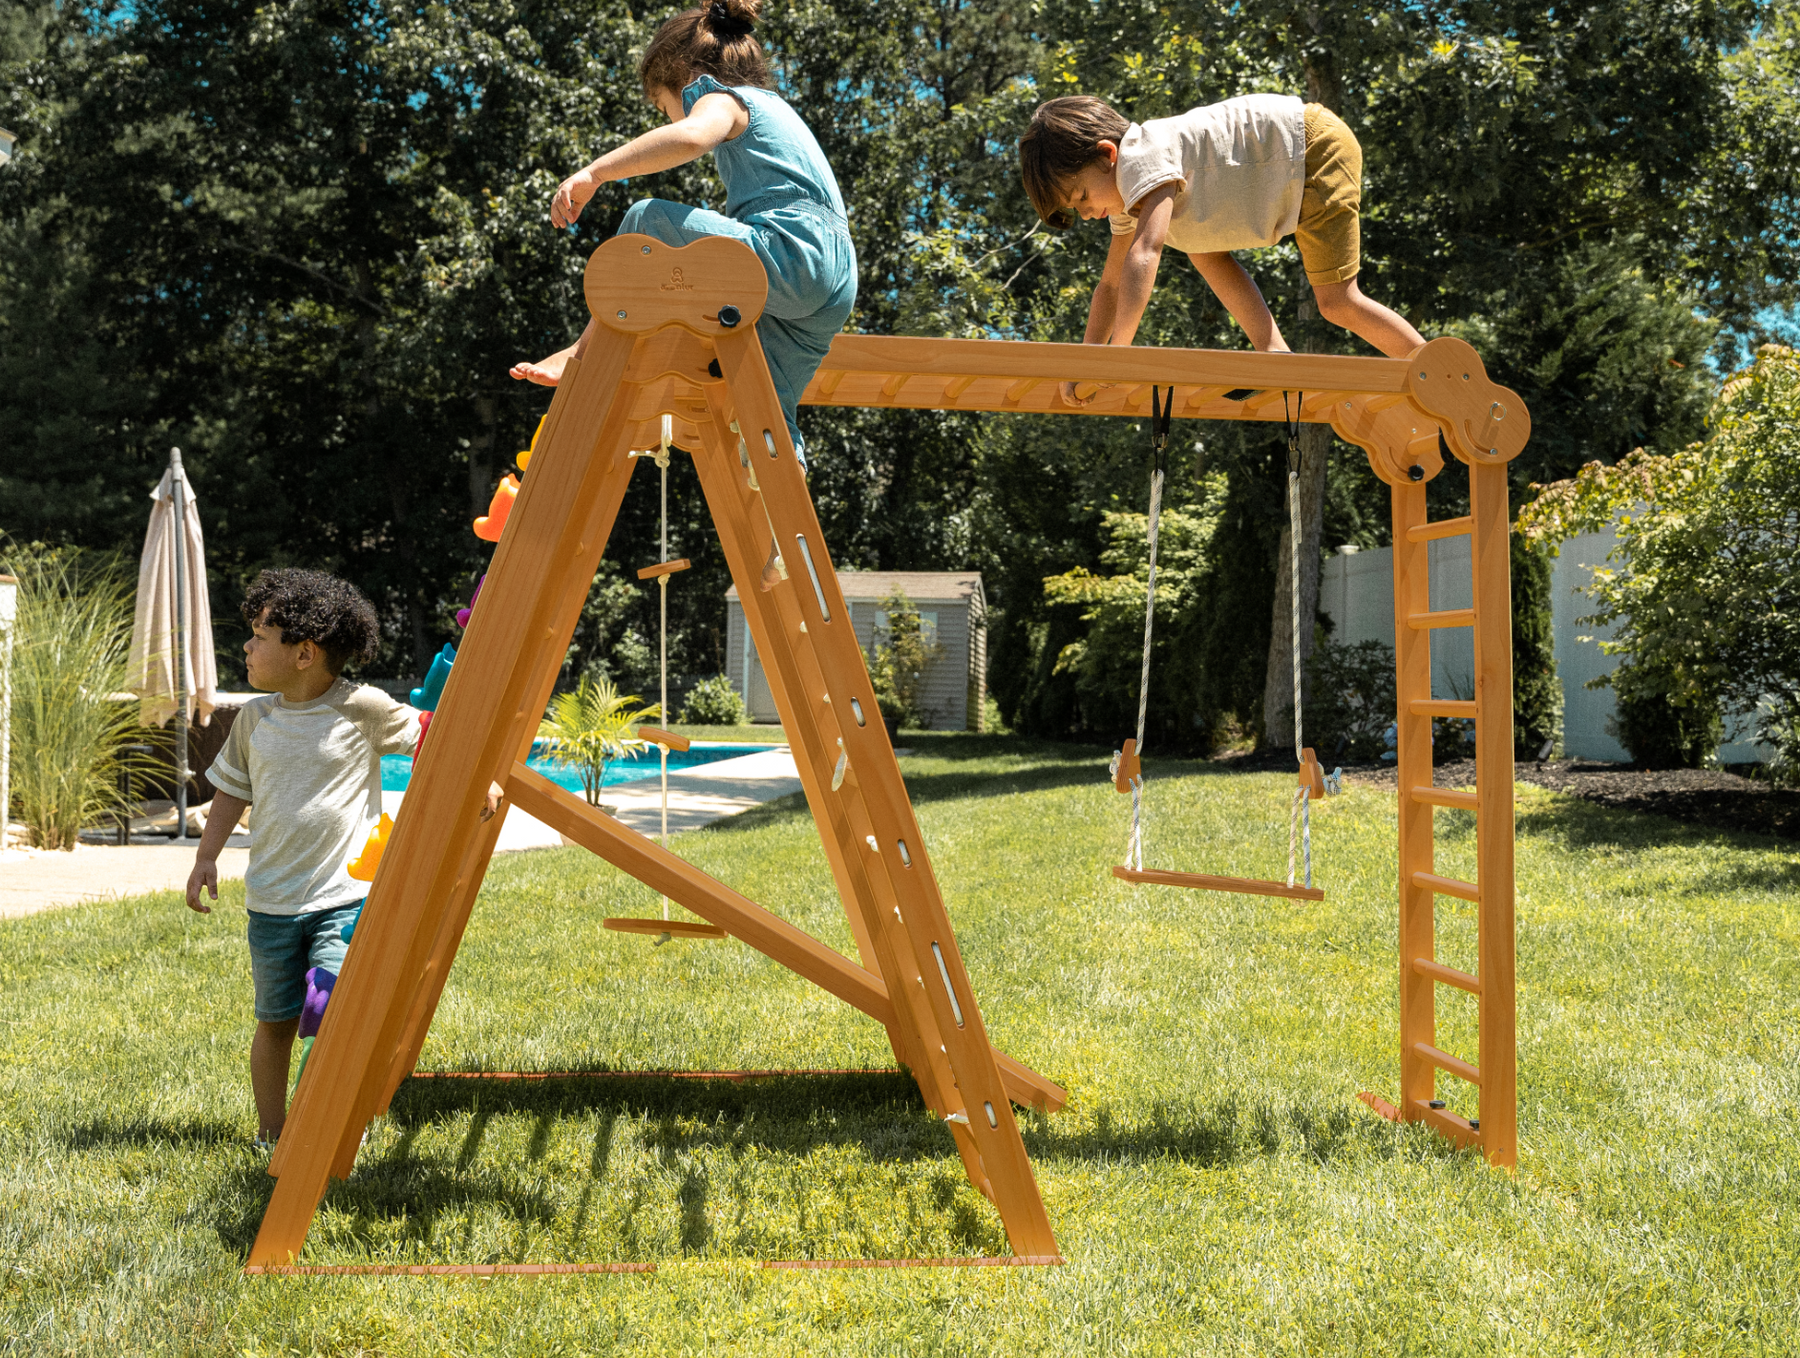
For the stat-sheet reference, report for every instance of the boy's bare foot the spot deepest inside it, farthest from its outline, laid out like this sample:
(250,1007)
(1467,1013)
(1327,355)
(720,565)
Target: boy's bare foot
(546,372)
(772,575)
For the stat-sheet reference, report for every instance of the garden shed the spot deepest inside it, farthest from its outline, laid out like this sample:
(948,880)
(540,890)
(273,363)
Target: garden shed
(952,613)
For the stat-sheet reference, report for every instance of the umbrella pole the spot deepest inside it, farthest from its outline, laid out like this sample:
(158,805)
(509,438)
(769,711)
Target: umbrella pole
(177,483)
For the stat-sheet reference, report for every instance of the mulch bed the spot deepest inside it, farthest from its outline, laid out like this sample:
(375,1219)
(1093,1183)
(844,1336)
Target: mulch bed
(1713,797)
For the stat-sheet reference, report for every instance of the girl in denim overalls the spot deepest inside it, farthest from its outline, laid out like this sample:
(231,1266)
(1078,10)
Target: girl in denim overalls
(706,72)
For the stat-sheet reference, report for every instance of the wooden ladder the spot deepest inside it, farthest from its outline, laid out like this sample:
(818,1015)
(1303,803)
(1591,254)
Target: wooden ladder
(1494,1072)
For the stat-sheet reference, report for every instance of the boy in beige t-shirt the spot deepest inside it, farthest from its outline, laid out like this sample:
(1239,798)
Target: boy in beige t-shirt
(1230,176)
(308,757)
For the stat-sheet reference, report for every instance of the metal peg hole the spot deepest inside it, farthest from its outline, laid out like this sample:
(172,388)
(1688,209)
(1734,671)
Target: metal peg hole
(769,442)
(905,857)
(843,765)
(856,711)
(993,1118)
(944,971)
(813,571)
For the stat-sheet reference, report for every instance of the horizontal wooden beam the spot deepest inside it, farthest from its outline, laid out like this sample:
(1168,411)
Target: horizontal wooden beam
(915,373)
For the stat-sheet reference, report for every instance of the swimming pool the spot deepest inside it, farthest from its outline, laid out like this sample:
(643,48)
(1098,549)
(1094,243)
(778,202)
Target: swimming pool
(396,769)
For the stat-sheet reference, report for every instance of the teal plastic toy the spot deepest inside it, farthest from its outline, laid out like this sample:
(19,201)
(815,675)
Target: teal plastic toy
(426,698)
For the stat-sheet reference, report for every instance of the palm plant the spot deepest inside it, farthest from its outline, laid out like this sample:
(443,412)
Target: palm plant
(591,727)
(70,661)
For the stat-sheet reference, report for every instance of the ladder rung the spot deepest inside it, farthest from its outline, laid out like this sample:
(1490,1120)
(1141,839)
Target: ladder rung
(1442,707)
(1446,886)
(1462,1070)
(1443,528)
(1437,971)
(1444,796)
(1450,617)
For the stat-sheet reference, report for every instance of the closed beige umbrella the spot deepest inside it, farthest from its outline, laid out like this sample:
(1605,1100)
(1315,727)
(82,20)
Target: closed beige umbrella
(171,637)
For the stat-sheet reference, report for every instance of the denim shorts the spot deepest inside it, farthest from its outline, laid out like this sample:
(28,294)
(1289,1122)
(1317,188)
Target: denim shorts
(283,947)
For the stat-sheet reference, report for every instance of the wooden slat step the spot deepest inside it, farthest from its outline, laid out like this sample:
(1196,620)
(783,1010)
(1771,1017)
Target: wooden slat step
(1443,1122)
(1447,886)
(1444,796)
(674,928)
(1447,1063)
(1199,881)
(1443,528)
(1442,707)
(1449,617)
(1437,971)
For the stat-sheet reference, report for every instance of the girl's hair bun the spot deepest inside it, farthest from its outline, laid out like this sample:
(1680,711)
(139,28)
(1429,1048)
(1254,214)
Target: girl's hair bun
(732,18)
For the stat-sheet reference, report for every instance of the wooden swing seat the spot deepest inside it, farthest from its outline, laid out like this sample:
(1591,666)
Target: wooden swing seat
(1200,881)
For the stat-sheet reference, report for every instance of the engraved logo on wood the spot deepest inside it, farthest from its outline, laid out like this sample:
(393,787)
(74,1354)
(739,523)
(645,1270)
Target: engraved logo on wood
(676,283)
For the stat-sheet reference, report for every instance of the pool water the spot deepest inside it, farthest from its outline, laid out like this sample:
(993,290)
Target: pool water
(396,769)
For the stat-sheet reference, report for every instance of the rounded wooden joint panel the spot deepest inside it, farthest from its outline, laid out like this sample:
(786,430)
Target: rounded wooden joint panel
(1401,440)
(1485,422)
(713,287)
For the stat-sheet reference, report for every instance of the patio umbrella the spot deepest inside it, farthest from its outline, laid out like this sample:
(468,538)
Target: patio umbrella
(171,636)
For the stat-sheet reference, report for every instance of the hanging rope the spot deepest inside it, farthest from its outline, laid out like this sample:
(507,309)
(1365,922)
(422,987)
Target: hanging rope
(1160,413)
(1300,813)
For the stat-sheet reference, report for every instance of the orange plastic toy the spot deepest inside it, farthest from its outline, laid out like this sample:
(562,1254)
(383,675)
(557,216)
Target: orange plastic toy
(363,866)
(490,525)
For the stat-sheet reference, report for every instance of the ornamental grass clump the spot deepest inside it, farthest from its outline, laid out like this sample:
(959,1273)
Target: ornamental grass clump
(71,654)
(589,728)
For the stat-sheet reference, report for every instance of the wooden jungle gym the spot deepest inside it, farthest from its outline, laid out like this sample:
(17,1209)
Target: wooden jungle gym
(677,337)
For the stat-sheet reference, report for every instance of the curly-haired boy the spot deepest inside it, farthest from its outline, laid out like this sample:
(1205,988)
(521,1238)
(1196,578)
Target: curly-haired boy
(309,758)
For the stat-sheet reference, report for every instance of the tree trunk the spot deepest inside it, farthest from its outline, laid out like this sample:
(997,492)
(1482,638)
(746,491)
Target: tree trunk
(1278,686)
(1323,86)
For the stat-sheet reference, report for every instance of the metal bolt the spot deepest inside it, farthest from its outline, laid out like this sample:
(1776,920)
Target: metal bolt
(646,249)
(1435,1103)
(1415,472)
(621,314)
(729,316)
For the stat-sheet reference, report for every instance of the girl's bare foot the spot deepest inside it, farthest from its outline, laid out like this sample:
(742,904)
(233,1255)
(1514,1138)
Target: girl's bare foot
(772,574)
(546,373)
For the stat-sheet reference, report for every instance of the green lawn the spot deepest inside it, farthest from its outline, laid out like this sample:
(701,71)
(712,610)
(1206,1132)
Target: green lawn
(1214,1184)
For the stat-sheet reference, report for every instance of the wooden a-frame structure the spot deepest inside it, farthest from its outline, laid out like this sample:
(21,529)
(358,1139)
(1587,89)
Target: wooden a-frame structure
(677,337)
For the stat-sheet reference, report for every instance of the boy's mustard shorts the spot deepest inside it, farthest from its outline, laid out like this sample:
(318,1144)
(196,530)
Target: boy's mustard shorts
(1330,231)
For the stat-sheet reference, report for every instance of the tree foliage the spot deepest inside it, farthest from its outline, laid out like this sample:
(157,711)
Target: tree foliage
(304,240)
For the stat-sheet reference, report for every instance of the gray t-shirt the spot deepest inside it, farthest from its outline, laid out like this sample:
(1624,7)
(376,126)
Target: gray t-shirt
(313,773)
(1241,165)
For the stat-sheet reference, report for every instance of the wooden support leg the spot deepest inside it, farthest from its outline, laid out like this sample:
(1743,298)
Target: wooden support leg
(894,846)
(1412,657)
(477,733)
(1491,561)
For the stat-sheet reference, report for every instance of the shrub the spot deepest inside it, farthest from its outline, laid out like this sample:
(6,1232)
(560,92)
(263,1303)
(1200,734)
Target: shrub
(713,702)
(71,654)
(1351,700)
(1705,593)
(901,658)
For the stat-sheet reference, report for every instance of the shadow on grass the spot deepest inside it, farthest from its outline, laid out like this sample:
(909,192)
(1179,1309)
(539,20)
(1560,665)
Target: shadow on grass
(1065,766)
(141,1131)
(1578,824)
(882,1111)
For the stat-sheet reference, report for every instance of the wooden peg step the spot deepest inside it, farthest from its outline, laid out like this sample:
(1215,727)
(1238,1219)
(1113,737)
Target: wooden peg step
(664,568)
(657,736)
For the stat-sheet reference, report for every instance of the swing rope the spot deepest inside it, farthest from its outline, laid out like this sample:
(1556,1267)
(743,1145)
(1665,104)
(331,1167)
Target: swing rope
(1300,812)
(1160,414)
